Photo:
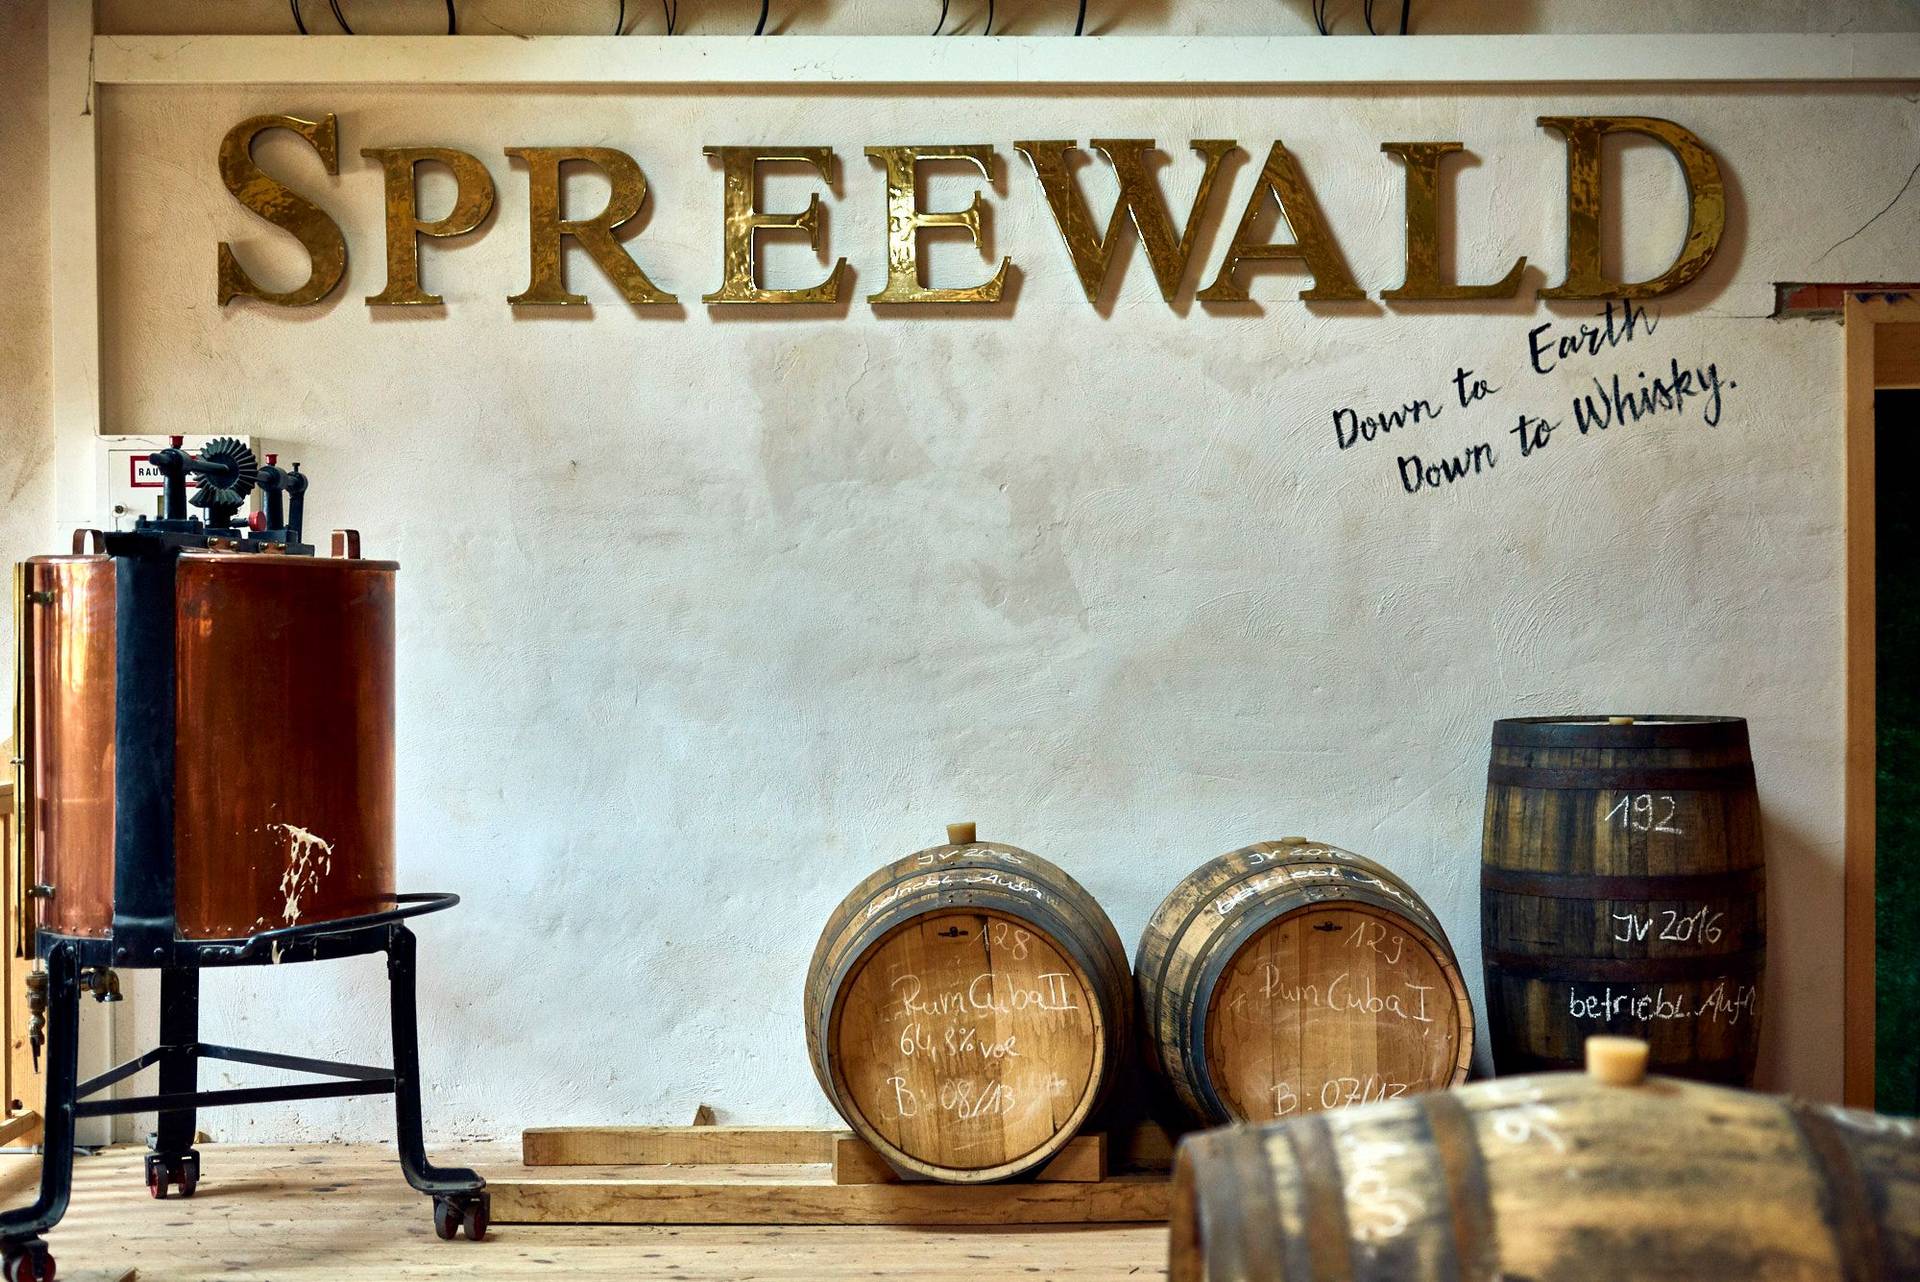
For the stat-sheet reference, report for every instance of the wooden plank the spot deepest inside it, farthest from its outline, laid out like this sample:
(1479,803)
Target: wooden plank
(745,1198)
(21,1128)
(1144,1146)
(674,1145)
(1896,354)
(1859,820)
(1082,1161)
(968,62)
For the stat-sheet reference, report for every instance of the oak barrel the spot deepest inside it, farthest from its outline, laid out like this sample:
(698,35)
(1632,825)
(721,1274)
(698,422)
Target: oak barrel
(967,1008)
(1561,1177)
(1291,977)
(1622,891)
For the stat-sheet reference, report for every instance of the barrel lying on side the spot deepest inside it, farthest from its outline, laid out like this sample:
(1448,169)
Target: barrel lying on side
(1623,892)
(967,1008)
(1554,1178)
(1291,977)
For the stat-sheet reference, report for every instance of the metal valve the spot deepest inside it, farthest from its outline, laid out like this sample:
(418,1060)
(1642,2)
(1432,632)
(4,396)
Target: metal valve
(104,984)
(36,1013)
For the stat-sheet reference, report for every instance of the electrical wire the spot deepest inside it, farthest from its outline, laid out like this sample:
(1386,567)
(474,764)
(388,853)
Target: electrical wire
(1080,23)
(1366,12)
(620,23)
(942,24)
(298,21)
(760,28)
(672,9)
(453,21)
(339,17)
(989,27)
(1320,17)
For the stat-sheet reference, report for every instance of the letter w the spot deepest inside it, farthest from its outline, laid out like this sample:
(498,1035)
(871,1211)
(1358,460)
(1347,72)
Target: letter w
(1140,201)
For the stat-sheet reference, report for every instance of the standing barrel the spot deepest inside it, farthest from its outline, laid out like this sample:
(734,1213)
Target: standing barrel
(1564,1177)
(1292,977)
(1622,891)
(967,1008)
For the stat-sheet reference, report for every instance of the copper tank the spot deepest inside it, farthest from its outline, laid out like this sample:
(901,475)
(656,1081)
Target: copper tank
(283,740)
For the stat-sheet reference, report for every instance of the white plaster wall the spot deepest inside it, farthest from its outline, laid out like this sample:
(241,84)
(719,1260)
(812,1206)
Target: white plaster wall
(26,354)
(703,616)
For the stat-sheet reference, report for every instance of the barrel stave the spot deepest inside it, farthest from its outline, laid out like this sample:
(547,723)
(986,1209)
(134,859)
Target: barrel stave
(1239,1001)
(1623,892)
(967,1009)
(1554,1177)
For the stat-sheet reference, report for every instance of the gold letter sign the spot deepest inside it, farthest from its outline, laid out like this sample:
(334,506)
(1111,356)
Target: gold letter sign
(1139,200)
(741,221)
(283,207)
(905,219)
(546,228)
(1312,243)
(1706,199)
(1423,231)
(472,202)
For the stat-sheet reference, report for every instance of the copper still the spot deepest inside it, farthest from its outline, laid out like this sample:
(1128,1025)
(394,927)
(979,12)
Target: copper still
(205,777)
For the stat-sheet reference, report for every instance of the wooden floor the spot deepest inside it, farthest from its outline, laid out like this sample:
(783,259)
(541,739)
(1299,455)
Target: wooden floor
(344,1213)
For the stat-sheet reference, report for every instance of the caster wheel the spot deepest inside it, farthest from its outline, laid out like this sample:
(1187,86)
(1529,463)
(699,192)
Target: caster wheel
(446,1219)
(156,1184)
(475,1219)
(189,1181)
(30,1266)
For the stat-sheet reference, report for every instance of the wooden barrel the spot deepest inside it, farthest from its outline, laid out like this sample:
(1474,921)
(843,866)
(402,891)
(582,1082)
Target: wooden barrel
(967,1008)
(1293,977)
(1554,1178)
(1622,891)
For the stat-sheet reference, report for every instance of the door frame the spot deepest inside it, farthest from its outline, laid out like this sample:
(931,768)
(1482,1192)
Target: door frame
(1882,350)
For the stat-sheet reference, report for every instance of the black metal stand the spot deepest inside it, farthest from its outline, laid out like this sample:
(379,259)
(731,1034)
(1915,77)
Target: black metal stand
(460,1200)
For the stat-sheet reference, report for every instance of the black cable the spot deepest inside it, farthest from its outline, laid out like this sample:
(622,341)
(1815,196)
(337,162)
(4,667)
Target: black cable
(339,17)
(989,28)
(1080,23)
(453,22)
(1366,11)
(1320,17)
(298,21)
(941,26)
(672,10)
(620,23)
(760,28)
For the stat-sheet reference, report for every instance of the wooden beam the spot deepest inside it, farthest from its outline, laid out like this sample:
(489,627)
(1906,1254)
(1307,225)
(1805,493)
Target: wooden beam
(676,1145)
(21,1128)
(1082,1161)
(1896,354)
(728,1197)
(969,62)
(1857,955)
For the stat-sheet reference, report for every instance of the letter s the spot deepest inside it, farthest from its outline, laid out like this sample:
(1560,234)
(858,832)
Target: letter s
(284,208)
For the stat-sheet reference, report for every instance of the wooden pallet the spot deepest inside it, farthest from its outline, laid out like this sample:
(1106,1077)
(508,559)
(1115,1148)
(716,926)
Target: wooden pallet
(792,1175)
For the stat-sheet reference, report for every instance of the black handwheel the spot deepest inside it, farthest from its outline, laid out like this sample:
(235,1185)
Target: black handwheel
(476,1218)
(446,1218)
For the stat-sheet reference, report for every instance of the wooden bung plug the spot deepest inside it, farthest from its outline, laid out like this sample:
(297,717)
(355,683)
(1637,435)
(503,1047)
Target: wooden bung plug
(961,834)
(1619,721)
(1617,1061)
